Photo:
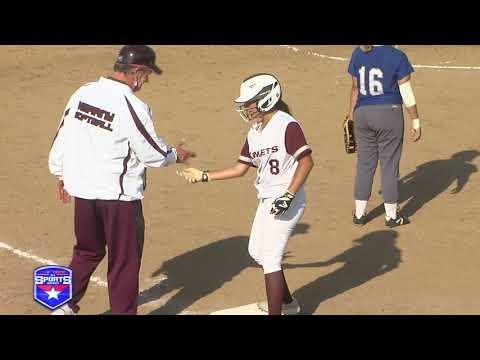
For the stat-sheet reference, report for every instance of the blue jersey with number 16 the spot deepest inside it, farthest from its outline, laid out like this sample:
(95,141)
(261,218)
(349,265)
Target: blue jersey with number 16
(377,73)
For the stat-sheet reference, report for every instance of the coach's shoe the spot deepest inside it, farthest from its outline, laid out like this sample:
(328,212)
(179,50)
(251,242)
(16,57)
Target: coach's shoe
(361,221)
(287,309)
(64,310)
(398,221)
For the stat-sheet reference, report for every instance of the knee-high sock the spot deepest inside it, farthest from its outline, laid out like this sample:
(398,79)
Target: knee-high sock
(275,287)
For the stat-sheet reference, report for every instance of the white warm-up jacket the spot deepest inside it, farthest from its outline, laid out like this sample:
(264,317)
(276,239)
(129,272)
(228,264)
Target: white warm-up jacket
(104,143)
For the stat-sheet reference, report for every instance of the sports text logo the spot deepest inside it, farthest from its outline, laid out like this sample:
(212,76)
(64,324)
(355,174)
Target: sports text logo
(99,117)
(263,152)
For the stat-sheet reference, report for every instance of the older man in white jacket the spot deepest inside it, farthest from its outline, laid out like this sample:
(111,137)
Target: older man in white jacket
(103,145)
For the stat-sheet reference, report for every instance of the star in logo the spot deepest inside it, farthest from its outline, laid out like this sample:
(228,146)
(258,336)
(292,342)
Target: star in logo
(53,294)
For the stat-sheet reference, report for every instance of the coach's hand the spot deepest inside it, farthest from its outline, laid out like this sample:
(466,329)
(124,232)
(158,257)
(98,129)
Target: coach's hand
(282,203)
(183,154)
(194,175)
(63,195)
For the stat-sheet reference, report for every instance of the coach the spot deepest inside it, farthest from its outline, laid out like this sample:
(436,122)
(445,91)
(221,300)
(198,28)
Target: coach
(103,145)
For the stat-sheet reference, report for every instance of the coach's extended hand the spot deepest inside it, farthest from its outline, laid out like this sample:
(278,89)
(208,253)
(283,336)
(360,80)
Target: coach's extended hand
(183,154)
(194,175)
(282,203)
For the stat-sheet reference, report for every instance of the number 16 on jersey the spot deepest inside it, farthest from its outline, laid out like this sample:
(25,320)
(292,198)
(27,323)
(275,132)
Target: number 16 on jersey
(375,86)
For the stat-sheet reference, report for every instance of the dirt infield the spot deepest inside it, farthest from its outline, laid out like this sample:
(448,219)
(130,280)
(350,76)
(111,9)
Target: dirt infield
(197,235)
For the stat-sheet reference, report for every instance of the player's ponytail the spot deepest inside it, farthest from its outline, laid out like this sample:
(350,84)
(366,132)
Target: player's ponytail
(283,106)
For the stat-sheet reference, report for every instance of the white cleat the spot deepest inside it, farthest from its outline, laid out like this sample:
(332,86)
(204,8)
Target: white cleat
(287,309)
(64,310)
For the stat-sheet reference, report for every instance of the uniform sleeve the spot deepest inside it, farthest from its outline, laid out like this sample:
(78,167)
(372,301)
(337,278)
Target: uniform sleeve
(55,158)
(295,141)
(245,157)
(150,149)
(404,67)
(352,67)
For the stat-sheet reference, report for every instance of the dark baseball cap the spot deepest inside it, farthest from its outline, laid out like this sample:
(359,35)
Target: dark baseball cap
(138,55)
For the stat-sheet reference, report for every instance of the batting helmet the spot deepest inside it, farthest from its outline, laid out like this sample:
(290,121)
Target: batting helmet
(264,88)
(138,55)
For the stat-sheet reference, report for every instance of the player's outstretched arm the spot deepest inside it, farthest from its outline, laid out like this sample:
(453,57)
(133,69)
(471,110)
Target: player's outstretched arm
(193,175)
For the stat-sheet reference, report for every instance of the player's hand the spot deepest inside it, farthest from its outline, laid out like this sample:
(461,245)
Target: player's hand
(416,134)
(63,195)
(183,154)
(193,175)
(282,203)
(349,116)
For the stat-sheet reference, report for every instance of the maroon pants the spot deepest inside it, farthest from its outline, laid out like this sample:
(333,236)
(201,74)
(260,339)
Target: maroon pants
(119,225)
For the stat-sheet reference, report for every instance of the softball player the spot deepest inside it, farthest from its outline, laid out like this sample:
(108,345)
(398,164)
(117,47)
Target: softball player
(380,84)
(277,148)
(103,145)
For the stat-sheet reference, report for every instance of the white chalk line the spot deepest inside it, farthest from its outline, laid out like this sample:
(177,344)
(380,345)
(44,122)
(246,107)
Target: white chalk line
(313,53)
(96,280)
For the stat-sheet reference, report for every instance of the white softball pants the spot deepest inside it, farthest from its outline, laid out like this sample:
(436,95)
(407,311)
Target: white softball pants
(270,234)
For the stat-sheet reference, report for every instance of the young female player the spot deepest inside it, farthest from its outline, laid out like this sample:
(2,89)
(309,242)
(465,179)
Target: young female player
(277,148)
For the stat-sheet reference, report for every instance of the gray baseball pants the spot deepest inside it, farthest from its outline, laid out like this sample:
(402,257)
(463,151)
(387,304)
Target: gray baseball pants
(379,134)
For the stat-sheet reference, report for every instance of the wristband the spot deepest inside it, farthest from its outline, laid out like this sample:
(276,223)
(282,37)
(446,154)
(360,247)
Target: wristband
(205,176)
(416,124)
(290,193)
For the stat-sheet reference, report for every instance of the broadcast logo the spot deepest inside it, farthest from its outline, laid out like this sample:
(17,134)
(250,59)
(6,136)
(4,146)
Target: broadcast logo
(52,285)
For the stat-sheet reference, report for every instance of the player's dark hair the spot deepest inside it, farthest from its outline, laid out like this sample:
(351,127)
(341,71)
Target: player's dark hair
(283,106)
(122,68)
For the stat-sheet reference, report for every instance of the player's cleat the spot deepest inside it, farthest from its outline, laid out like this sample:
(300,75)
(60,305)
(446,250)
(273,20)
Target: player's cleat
(287,309)
(359,222)
(64,310)
(398,221)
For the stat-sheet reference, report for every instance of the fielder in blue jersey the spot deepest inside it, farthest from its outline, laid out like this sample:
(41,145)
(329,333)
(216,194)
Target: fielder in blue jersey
(380,86)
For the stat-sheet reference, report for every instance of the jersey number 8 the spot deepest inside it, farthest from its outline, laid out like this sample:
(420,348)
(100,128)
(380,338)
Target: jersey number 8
(374,85)
(274,166)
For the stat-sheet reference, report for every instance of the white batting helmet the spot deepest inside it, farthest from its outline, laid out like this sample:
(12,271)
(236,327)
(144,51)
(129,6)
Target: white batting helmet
(261,88)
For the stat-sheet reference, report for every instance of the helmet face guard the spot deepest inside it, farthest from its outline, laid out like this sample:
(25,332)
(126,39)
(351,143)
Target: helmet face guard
(243,112)
(244,109)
